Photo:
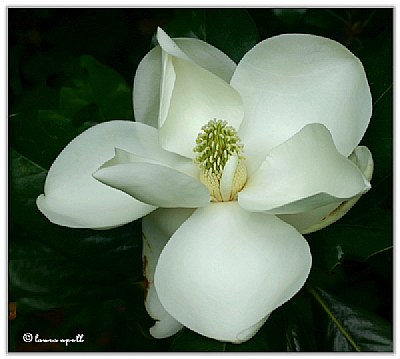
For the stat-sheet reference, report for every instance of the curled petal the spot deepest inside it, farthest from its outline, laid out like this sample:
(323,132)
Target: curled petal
(165,324)
(304,173)
(362,158)
(190,97)
(292,80)
(319,218)
(158,227)
(303,221)
(73,198)
(152,182)
(227,177)
(146,89)
(224,270)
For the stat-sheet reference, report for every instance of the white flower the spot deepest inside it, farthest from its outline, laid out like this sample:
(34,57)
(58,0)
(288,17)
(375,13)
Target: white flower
(274,136)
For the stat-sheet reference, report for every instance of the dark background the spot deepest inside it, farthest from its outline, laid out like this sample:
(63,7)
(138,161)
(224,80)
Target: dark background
(64,66)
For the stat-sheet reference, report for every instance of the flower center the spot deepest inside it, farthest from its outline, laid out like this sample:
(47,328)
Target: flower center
(219,155)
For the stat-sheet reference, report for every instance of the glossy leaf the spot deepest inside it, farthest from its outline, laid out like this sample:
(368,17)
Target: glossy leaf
(382,262)
(294,338)
(44,64)
(284,330)
(42,278)
(95,83)
(110,91)
(61,262)
(187,23)
(300,328)
(289,16)
(323,20)
(352,238)
(53,117)
(26,183)
(26,180)
(48,127)
(106,325)
(231,30)
(350,329)
(36,98)
(377,57)
(187,340)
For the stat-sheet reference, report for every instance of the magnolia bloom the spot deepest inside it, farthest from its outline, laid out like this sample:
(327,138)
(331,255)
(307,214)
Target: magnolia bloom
(228,166)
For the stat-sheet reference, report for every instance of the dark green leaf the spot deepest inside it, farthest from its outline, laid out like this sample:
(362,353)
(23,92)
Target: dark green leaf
(106,325)
(324,19)
(300,329)
(232,31)
(294,338)
(356,238)
(187,340)
(53,117)
(47,127)
(15,83)
(36,98)
(72,99)
(43,64)
(289,16)
(382,263)
(187,23)
(26,183)
(41,277)
(109,89)
(115,245)
(45,257)
(95,83)
(377,57)
(347,328)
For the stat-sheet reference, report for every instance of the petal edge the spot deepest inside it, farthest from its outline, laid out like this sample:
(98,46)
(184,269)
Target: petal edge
(217,272)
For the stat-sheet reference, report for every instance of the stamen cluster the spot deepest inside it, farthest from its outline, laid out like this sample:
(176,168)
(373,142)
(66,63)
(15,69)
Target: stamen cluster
(214,145)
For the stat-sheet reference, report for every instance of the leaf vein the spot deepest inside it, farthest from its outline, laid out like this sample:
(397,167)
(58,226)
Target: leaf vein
(383,94)
(333,318)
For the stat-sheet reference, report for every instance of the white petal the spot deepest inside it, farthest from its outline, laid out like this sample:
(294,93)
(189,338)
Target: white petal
(158,227)
(190,97)
(155,155)
(227,177)
(224,270)
(146,89)
(165,324)
(152,182)
(169,45)
(362,158)
(251,331)
(292,80)
(304,220)
(304,173)
(319,218)
(73,198)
